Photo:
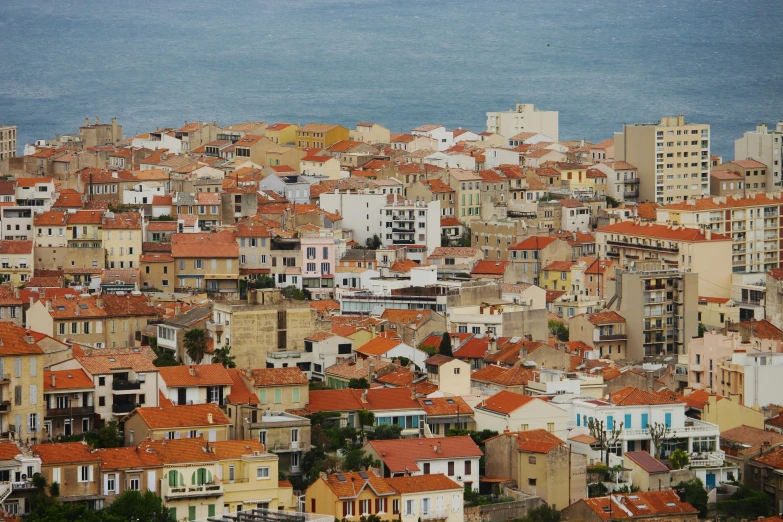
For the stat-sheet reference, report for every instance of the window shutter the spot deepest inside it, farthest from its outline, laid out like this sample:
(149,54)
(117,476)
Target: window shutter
(345,508)
(33,393)
(378,505)
(90,477)
(151,482)
(198,433)
(386,505)
(177,435)
(353,505)
(33,367)
(212,435)
(56,475)
(106,484)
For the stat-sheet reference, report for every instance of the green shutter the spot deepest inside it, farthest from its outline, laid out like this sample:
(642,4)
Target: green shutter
(296,395)
(278,395)
(262,396)
(173,513)
(211,510)
(191,512)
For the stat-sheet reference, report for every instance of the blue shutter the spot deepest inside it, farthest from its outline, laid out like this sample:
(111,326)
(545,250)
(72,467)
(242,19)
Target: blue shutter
(578,419)
(609,422)
(668,420)
(627,421)
(644,421)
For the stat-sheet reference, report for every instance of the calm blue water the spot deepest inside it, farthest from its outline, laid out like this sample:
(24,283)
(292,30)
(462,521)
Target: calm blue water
(400,63)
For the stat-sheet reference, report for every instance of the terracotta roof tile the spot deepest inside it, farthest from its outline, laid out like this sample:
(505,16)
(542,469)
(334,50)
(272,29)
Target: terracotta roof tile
(646,461)
(421,483)
(101,364)
(505,402)
(277,376)
(605,317)
(349,485)
(763,329)
(16,341)
(182,416)
(127,458)
(66,380)
(533,441)
(656,231)
(534,243)
(630,396)
(64,453)
(240,393)
(436,406)
(378,346)
(178,451)
(195,375)
(641,504)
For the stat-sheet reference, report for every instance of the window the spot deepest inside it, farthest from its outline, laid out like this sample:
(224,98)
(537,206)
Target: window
(111,483)
(451,468)
(531,482)
(364,507)
(531,460)
(468,467)
(410,507)
(134,484)
(278,395)
(85,473)
(426,468)
(262,473)
(295,395)
(425,505)
(396,506)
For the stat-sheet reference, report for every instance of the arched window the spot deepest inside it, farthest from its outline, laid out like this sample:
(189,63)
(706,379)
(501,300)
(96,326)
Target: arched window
(176,479)
(200,477)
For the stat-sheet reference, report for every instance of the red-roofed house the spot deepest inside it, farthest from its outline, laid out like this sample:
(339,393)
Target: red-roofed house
(456,457)
(661,506)
(540,464)
(603,331)
(532,254)
(176,422)
(383,347)
(509,410)
(69,396)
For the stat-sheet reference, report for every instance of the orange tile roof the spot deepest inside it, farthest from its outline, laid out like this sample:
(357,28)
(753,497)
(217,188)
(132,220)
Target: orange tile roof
(490,268)
(534,243)
(122,221)
(648,210)
(64,453)
(66,380)
(422,483)
(514,376)
(630,396)
(195,375)
(435,406)
(608,316)
(240,392)
(763,329)
(533,441)
(403,265)
(647,462)
(352,484)
(204,245)
(754,438)
(13,246)
(127,458)
(378,346)
(640,504)
(101,363)
(16,341)
(234,449)
(276,376)
(559,266)
(178,451)
(9,450)
(656,231)
(505,402)
(714,204)
(325,305)
(8,296)
(182,416)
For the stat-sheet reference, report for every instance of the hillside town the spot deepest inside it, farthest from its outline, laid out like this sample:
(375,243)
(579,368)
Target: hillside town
(268,321)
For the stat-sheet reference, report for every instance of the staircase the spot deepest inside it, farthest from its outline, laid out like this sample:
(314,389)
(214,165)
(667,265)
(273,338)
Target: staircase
(5,492)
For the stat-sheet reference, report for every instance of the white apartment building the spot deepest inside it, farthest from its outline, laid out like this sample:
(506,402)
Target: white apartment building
(523,118)
(443,138)
(752,222)
(395,220)
(622,180)
(754,376)
(672,156)
(763,145)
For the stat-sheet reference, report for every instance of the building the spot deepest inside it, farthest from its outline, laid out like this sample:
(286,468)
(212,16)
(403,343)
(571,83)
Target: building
(658,506)
(456,457)
(524,118)
(17,461)
(171,332)
(123,379)
(753,174)
(743,443)
(428,497)
(660,308)
(16,261)
(196,384)
(265,327)
(445,413)
(122,239)
(69,397)
(320,135)
(176,422)
(279,388)
(21,387)
(511,411)
(76,468)
(536,252)
(604,331)
(207,261)
(675,247)
(751,221)
(672,157)
(725,412)
(343,495)
(647,472)
(765,476)
(704,355)
(751,376)
(540,464)
(763,145)
(7,141)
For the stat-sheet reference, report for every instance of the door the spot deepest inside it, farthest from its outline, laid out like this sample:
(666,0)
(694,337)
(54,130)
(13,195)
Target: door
(710,481)
(182,396)
(67,428)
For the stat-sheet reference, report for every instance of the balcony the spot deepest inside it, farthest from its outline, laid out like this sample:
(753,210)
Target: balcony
(631,181)
(707,460)
(215,327)
(612,337)
(435,514)
(76,411)
(5,406)
(692,428)
(122,409)
(696,367)
(738,262)
(631,194)
(403,230)
(210,489)
(716,218)
(289,446)
(5,378)
(122,385)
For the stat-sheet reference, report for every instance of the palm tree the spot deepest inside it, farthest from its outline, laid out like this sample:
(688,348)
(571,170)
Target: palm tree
(196,344)
(224,357)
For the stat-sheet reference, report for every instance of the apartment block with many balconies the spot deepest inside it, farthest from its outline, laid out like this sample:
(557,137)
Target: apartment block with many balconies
(672,157)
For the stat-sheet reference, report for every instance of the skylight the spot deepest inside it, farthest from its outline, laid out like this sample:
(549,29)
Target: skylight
(60,307)
(671,504)
(84,307)
(428,402)
(642,506)
(450,401)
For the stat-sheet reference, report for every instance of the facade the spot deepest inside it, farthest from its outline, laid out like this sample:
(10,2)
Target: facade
(751,376)
(122,238)
(524,118)
(763,145)
(660,308)
(512,411)
(21,387)
(658,506)
(672,157)
(7,141)
(320,135)
(76,467)
(192,421)
(605,332)
(17,261)
(69,397)
(208,261)
(751,221)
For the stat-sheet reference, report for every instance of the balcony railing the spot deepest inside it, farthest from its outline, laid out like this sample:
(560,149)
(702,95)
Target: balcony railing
(70,412)
(704,460)
(435,514)
(215,327)
(125,385)
(631,181)
(211,489)
(119,409)
(612,337)
(289,446)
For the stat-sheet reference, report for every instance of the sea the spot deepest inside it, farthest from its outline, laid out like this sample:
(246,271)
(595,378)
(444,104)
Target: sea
(400,63)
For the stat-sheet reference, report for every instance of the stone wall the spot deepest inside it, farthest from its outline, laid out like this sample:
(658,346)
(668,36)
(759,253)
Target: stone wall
(501,512)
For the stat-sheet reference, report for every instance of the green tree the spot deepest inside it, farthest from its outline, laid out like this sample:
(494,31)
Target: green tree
(679,459)
(195,343)
(292,292)
(39,482)
(366,419)
(658,433)
(109,436)
(47,509)
(135,505)
(559,330)
(445,345)
(444,240)
(386,432)
(264,281)
(702,330)
(223,356)
(464,240)
(357,460)
(318,438)
(625,488)
(358,384)
(611,202)
(745,503)
(373,243)
(695,494)
(54,489)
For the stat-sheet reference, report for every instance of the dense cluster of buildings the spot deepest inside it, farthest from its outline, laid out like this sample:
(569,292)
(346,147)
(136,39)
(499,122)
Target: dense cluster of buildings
(605,303)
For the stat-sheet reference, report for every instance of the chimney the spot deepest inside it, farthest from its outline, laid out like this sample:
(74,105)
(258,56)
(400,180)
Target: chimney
(192,371)
(359,363)
(29,339)
(99,302)
(492,345)
(53,380)
(364,395)
(708,234)
(97,121)
(209,418)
